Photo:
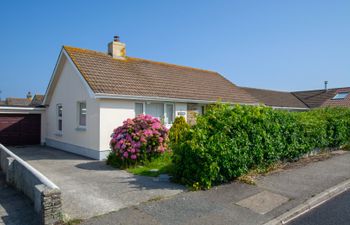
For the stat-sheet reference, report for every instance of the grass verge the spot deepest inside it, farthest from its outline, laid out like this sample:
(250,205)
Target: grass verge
(158,166)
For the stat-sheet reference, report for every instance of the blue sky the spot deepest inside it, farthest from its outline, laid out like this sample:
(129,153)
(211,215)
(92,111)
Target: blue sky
(283,45)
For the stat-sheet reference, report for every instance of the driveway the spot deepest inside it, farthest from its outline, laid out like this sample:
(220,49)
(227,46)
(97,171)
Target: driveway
(90,187)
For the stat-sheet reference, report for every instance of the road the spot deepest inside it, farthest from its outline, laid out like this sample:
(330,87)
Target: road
(334,212)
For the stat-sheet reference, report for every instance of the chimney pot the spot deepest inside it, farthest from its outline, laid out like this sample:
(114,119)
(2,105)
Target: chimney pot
(29,95)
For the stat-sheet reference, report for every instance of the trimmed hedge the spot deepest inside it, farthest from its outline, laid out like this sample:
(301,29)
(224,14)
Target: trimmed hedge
(228,141)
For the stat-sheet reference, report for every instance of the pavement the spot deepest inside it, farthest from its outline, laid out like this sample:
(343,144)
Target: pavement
(15,207)
(89,187)
(334,212)
(238,203)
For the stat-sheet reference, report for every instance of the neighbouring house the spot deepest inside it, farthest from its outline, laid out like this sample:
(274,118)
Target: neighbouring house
(334,97)
(302,100)
(22,120)
(277,99)
(91,93)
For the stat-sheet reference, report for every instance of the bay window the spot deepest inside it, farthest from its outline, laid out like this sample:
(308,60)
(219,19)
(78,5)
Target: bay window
(155,109)
(163,111)
(169,113)
(139,108)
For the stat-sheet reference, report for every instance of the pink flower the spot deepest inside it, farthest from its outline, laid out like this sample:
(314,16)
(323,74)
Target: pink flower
(143,140)
(148,132)
(125,154)
(128,137)
(133,157)
(161,149)
(156,125)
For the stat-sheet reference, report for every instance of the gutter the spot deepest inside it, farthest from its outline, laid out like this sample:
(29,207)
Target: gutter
(293,108)
(165,99)
(22,108)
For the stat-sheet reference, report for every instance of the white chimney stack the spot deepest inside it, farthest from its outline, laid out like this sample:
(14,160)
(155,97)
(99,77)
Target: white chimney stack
(117,49)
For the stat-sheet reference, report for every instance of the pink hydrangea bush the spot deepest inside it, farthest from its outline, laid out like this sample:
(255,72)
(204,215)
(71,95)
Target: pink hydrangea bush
(137,140)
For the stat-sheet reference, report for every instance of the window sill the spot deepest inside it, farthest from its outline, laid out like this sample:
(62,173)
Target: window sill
(59,134)
(80,129)
(168,125)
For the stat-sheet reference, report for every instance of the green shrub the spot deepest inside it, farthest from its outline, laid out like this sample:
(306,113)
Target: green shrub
(228,141)
(178,129)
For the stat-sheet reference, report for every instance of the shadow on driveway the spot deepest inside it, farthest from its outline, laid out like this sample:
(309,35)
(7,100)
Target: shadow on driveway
(96,165)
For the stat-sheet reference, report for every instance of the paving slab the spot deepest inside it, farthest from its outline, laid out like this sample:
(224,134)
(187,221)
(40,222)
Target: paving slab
(263,202)
(90,187)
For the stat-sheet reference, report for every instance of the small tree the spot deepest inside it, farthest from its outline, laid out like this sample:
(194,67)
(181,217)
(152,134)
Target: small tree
(178,128)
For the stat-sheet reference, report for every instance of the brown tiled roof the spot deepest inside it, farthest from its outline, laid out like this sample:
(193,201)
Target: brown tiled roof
(18,101)
(37,100)
(139,77)
(23,102)
(275,98)
(318,98)
(339,102)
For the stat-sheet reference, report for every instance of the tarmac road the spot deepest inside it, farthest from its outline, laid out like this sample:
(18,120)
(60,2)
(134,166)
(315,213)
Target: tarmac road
(334,212)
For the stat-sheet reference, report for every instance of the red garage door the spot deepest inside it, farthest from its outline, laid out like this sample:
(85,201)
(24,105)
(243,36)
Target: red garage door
(19,129)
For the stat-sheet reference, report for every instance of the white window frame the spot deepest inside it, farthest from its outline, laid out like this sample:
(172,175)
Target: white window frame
(59,118)
(79,126)
(164,109)
(165,114)
(143,107)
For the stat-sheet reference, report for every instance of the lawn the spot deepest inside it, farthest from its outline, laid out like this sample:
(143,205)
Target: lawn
(161,165)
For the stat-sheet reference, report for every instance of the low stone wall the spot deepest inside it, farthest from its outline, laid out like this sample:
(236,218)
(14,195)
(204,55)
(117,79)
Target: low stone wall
(45,195)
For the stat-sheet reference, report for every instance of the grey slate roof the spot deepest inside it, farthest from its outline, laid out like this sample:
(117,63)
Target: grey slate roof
(275,98)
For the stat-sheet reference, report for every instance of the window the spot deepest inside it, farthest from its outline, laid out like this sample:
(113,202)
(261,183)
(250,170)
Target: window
(82,114)
(163,111)
(155,110)
(138,109)
(59,117)
(202,109)
(169,113)
(340,95)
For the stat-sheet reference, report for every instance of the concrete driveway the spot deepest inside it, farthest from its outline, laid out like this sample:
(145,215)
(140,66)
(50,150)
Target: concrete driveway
(90,187)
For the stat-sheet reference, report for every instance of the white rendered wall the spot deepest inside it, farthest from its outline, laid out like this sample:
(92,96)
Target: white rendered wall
(69,91)
(112,114)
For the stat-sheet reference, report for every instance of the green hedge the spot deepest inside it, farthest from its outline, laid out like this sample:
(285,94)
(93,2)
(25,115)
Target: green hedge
(229,140)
